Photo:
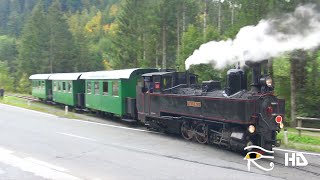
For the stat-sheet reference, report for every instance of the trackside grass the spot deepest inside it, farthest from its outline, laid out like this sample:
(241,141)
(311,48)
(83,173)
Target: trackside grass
(308,141)
(37,106)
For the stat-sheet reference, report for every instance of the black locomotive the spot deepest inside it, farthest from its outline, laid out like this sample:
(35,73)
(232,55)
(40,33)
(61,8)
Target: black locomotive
(234,117)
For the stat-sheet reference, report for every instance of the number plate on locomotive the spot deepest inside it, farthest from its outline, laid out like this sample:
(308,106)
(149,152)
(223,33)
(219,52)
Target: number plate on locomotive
(193,104)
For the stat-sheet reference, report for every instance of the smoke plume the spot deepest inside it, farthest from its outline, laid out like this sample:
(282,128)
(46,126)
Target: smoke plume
(269,38)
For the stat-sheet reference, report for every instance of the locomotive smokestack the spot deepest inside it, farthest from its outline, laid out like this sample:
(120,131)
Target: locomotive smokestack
(256,74)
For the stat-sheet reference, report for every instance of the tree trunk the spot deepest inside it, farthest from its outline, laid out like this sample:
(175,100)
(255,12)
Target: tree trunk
(184,17)
(157,58)
(51,53)
(144,48)
(178,37)
(164,44)
(219,17)
(293,87)
(205,19)
(315,66)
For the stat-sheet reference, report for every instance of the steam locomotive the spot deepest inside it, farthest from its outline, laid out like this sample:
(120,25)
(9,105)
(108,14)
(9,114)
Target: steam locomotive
(174,102)
(233,118)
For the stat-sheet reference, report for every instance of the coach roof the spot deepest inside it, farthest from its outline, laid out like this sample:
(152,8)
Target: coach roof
(65,76)
(40,76)
(115,74)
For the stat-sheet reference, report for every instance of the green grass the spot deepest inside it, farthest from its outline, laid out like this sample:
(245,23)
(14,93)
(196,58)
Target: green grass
(37,106)
(303,147)
(308,141)
(303,139)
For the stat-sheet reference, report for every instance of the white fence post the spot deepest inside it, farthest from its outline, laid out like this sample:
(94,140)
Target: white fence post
(66,110)
(285,136)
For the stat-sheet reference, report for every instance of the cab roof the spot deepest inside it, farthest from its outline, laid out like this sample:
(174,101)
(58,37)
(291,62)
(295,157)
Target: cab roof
(156,73)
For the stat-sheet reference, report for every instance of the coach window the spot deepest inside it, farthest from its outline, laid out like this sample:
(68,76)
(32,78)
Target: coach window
(115,88)
(96,87)
(89,87)
(105,88)
(39,84)
(69,87)
(59,86)
(64,86)
(54,86)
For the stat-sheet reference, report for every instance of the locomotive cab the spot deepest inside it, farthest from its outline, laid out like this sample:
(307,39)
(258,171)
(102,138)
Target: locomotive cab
(166,82)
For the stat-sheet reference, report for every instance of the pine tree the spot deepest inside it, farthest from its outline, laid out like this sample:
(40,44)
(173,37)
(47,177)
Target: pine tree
(61,51)
(33,50)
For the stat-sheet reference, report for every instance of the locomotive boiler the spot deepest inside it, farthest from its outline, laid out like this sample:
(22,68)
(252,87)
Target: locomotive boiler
(233,117)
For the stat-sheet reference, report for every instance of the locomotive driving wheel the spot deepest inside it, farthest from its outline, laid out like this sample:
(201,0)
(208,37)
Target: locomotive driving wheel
(186,130)
(201,133)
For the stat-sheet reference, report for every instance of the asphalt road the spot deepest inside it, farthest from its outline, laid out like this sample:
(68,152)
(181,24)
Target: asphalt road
(36,145)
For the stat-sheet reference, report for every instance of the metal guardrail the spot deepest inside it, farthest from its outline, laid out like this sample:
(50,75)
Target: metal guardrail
(299,125)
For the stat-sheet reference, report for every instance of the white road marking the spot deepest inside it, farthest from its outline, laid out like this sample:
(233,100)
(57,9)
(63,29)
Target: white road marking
(286,150)
(24,109)
(42,163)
(115,126)
(83,121)
(37,167)
(76,136)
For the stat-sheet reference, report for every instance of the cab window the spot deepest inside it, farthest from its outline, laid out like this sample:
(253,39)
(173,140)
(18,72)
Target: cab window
(166,82)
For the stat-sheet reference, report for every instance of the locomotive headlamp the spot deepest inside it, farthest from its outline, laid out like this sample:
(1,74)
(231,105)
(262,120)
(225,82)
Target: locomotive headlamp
(266,80)
(251,129)
(269,81)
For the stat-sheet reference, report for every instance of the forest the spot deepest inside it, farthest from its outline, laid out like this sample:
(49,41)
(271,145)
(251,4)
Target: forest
(53,36)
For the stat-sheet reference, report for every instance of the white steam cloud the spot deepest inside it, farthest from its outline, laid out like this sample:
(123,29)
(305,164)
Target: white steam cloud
(269,38)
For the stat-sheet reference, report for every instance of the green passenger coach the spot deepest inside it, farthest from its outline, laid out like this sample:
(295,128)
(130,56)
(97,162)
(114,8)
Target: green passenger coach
(41,86)
(113,91)
(68,89)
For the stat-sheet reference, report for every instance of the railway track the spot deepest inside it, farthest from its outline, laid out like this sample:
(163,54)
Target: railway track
(23,97)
